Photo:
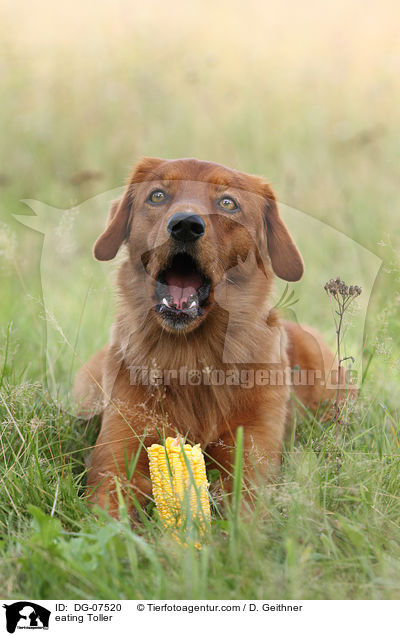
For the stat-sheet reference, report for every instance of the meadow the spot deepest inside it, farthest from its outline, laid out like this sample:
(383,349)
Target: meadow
(305,94)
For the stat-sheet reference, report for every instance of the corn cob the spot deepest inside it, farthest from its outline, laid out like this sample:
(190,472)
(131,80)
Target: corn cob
(180,486)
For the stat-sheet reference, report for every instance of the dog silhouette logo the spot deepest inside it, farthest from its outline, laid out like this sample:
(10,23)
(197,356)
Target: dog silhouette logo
(26,615)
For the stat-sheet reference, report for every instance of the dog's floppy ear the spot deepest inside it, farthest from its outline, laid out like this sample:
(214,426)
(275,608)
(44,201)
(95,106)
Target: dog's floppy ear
(285,258)
(108,243)
(117,229)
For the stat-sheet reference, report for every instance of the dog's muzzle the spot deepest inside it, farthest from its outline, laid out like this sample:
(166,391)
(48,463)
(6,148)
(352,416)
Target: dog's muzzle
(181,291)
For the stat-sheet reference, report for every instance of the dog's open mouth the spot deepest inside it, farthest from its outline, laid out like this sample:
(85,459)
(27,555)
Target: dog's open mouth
(182,291)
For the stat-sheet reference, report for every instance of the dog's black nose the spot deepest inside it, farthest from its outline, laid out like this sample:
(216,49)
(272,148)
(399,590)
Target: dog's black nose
(186,227)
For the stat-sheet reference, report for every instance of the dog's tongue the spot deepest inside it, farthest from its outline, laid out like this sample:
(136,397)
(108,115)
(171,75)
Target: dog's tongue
(182,285)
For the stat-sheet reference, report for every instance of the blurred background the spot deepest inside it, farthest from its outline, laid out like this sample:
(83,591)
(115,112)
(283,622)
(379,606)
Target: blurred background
(305,94)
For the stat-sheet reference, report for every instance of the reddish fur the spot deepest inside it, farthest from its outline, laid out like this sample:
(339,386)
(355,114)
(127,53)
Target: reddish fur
(208,415)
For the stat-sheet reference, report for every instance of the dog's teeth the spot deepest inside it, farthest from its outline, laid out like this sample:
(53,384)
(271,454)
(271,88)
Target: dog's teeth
(192,301)
(165,302)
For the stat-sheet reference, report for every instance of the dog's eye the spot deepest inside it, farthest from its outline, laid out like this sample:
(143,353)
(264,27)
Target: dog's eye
(226,203)
(158,196)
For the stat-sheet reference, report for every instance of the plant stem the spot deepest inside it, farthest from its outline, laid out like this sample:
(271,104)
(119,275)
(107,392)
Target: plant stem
(338,338)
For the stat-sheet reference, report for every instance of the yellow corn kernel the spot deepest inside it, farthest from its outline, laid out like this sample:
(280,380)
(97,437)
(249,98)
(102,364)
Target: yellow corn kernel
(177,489)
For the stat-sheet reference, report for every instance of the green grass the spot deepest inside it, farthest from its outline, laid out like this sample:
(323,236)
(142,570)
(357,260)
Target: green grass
(315,110)
(328,529)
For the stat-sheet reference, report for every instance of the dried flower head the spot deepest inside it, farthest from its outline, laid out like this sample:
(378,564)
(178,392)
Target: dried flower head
(336,287)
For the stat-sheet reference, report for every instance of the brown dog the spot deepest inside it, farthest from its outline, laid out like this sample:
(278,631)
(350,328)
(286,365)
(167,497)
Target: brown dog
(194,323)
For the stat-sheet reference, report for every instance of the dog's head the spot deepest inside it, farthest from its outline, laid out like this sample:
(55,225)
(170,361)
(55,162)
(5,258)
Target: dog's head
(187,224)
